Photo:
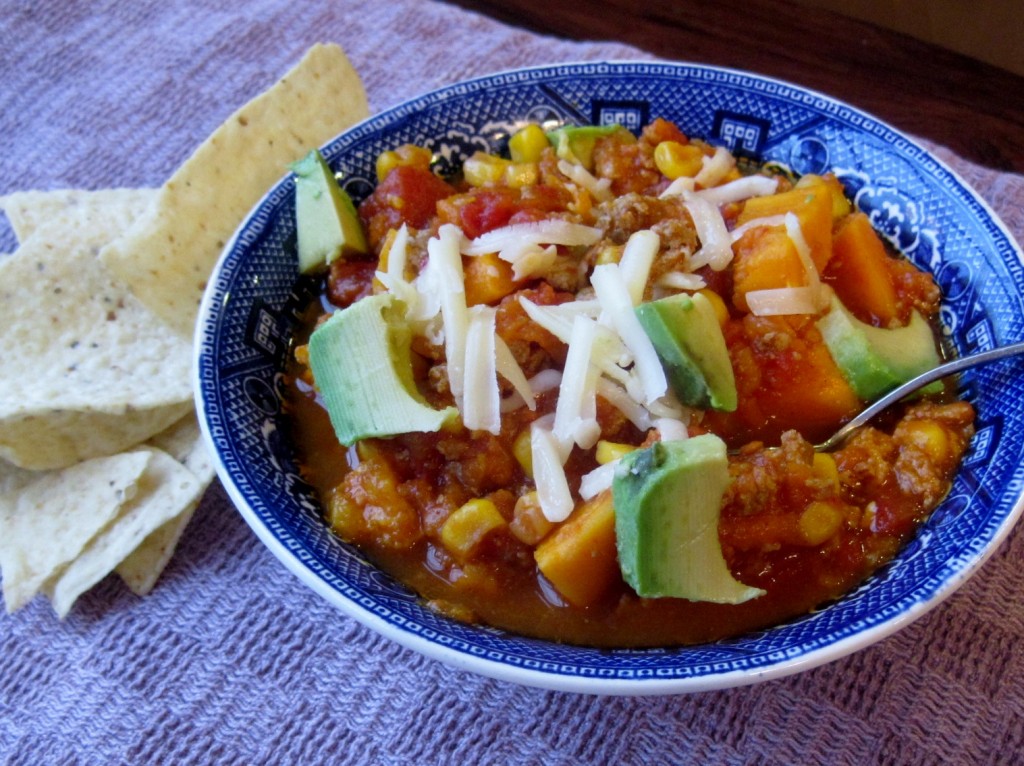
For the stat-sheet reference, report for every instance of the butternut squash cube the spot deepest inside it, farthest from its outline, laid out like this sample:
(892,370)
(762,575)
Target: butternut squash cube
(488,279)
(765,257)
(579,558)
(859,273)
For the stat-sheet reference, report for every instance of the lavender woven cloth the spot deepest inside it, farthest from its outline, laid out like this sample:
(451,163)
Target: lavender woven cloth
(231,659)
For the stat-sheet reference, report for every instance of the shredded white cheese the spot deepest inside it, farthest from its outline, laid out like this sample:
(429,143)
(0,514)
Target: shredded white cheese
(576,409)
(398,255)
(510,370)
(599,189)
(558,319)
(682,186)
(681,280)
(448,282)
(553,492)
(534,262)
(620,399)
(803,250)
(756,223)
(637,258)
(395,282)
(543,381)
(530,247)
(610,354)
(617,309)
(597,481)
(715,243)
(671,429)
(669,407)
(481,397)
(740,189)
(716,167)
(515,236)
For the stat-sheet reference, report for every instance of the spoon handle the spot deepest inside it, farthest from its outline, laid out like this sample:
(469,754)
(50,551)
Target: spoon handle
(956,365)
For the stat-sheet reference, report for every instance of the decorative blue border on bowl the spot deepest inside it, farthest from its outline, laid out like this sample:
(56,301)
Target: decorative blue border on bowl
(918,203)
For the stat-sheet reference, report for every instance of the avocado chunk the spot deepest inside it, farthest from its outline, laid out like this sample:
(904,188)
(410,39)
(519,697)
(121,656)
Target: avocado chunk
(575,143)
(360,359)
(325,218)
(667,501)
(689,342)
(875,360)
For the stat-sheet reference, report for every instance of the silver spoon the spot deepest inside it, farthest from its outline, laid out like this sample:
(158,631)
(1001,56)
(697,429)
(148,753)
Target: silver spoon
(956,365)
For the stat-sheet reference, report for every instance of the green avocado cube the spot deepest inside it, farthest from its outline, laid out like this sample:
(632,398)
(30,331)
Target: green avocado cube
(667,501)
(875,360)
(326,219)
(360,359)
(689,342)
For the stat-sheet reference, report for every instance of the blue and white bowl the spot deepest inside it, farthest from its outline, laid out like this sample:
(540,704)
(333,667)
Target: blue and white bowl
(924,208)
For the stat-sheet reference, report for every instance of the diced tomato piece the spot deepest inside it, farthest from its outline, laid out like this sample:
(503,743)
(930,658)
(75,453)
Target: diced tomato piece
(349,281)
(481,210)
(407,195)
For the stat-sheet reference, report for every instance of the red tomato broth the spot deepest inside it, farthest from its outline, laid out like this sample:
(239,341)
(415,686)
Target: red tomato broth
(804,529)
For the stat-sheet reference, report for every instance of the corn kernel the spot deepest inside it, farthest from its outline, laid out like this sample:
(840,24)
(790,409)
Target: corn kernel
(928,436)
(825,468)
(407,154)
(522,449)
(675,160)
(609,451)
(469,525)
(482,169)
(519,174)
(529,524)
(721,310)
(819,521)
(609,254)
(528,143)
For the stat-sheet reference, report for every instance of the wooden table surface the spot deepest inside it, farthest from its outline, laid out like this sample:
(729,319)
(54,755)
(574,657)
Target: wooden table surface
(975,109)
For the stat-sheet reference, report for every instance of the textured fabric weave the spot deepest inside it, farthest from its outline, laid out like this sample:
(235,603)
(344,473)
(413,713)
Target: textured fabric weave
(231,659)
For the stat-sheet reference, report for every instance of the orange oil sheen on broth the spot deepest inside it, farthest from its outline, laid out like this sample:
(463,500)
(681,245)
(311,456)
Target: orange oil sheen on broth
(804,528)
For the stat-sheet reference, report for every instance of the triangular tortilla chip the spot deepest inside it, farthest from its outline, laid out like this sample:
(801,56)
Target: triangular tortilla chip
(29,210)
(183,441)
(46,524)
(163,490)
(85,369)
(168,255)
(143,566)
(12,477)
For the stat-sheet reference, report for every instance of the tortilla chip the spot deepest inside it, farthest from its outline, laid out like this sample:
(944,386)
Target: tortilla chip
(142,568)
(29,210)
(163,490)
(85,369)
(12,477)
(47,523)
(167,257)
(184,442)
